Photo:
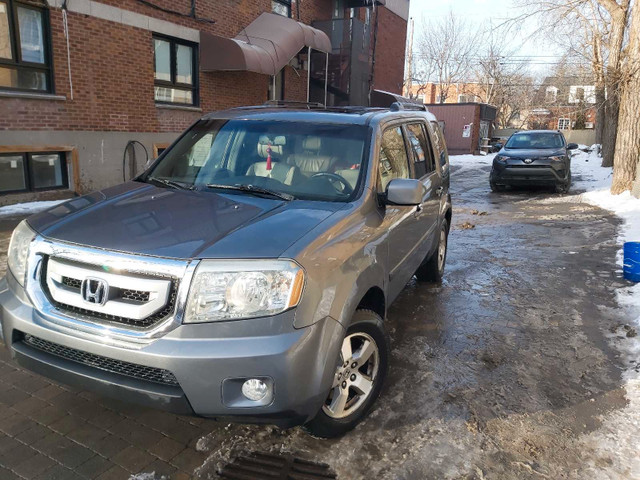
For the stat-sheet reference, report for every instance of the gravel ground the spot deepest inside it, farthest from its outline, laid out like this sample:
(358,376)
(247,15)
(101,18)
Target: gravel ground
(512,368)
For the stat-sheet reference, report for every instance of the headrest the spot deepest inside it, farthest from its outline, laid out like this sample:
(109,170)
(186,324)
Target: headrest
(280,140)
(311,143)
(276,148)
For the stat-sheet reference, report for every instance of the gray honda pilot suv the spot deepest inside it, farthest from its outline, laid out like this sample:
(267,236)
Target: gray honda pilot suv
(246,274)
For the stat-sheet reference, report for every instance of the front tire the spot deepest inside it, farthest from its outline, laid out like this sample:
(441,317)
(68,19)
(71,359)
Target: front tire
(564,187)
(433,269)
(495,187)
(358,380)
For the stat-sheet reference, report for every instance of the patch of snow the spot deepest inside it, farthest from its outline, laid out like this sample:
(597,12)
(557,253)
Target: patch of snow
(28,208)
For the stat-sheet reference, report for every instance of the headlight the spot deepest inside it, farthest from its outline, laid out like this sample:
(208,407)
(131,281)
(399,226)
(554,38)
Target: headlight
(557,159)
(19,250)
(226,290)
(501,158)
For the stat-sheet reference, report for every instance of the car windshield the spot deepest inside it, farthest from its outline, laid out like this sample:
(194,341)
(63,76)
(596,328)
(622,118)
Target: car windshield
(283,160)
(535,140)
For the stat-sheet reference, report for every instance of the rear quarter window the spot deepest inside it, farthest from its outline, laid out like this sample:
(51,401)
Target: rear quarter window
(439,145)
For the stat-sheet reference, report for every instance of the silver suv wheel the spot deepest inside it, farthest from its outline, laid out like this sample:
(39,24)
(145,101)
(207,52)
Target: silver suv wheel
(355,376)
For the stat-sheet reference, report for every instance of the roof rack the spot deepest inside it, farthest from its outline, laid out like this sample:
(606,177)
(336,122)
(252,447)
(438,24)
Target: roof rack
(397,106)
(293,104)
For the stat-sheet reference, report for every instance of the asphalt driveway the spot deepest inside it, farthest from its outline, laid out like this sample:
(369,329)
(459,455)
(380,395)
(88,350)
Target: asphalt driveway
(503,371)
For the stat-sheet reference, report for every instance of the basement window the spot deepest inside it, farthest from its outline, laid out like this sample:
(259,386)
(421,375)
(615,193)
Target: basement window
(25,59)
(175,71)
(26,172)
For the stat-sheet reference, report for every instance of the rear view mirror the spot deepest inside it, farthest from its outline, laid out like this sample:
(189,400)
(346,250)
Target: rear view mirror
(572,146)
(404,191)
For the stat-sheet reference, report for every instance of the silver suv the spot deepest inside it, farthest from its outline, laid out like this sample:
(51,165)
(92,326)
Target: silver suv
(246,274)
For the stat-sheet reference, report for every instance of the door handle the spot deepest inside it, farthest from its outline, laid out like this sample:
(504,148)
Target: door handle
(439,191)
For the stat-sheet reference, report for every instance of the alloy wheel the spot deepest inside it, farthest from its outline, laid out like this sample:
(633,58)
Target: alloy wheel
(355,376)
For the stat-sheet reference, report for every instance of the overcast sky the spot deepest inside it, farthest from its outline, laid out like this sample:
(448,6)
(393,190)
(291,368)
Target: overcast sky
(491,12)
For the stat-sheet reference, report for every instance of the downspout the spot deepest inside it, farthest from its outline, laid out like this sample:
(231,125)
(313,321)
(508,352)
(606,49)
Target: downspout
(65,25)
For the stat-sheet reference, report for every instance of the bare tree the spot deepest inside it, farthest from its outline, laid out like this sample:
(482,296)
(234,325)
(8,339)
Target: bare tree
(603,23)
(504,83)
(627,153)
(445,48)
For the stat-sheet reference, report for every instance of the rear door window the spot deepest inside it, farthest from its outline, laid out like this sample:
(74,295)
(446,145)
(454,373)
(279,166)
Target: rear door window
(423,163)
(393,161)
(439,146)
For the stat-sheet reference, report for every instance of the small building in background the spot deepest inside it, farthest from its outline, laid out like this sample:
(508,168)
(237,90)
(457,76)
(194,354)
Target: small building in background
(465,125)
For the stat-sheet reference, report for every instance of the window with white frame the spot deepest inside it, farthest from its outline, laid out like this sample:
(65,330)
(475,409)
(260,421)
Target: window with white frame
(551,94)
(564,123)
(582,93)
(466,98)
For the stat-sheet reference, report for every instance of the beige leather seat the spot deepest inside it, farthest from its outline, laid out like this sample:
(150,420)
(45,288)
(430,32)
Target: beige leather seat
(309,161)
(282,172)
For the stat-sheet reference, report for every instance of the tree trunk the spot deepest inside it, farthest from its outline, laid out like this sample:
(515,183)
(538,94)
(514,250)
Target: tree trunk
(619,17)
(610,131)
(600,102)
(627,153)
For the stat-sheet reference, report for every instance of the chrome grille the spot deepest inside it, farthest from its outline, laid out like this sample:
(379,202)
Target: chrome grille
(132,370)
(134,297)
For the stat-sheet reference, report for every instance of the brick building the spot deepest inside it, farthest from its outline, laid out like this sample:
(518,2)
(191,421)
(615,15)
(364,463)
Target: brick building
(86,84)
(564,103)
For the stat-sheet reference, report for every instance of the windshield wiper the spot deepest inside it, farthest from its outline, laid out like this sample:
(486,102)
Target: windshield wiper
(254,190)
(170,183)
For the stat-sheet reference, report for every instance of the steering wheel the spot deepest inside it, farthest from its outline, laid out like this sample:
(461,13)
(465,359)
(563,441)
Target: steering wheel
(346,187)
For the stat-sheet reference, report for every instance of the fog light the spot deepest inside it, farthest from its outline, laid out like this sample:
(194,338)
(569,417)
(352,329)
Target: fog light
(254,389)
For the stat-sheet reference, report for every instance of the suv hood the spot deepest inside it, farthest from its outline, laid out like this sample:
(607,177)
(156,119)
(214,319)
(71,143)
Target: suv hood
(144,219)
(532,153)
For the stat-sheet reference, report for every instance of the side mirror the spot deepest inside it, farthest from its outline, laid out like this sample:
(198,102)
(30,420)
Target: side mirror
(572,146)
(404,191)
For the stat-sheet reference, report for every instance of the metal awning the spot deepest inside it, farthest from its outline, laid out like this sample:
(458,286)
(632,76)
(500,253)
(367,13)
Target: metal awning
(266,45)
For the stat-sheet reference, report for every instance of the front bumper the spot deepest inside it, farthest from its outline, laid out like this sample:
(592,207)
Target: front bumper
(205,359)
(535,174)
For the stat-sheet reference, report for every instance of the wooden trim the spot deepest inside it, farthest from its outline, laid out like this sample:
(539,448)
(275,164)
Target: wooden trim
(158,146)
(75,159)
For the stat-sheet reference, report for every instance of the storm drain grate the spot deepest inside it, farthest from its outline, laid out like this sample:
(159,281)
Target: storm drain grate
(268,466)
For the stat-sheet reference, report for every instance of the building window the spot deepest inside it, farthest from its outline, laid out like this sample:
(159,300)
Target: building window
(564,123)
(466,98)
(281,7)
(175,71)
(21,172)
(551,94)
(24,47)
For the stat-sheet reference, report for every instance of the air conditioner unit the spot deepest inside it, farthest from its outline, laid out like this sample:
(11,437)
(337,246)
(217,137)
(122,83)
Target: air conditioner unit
(588,124)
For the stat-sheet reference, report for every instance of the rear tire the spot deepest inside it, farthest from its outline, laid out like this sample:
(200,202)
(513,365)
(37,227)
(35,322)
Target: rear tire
(432,270)
(358,380)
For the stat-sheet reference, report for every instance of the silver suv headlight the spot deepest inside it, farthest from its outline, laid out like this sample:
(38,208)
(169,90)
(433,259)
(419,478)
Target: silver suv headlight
(18,254)
(228,290)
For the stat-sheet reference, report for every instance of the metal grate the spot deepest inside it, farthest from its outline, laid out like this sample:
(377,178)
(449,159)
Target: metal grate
(140,372)
(135,295)
(72,282)
(143,323)
(268,466)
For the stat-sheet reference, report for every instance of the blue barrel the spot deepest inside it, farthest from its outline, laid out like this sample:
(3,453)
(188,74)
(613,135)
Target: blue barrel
(631,266)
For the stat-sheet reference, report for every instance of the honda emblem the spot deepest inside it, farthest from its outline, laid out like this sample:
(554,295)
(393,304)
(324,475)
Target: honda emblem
(95,290)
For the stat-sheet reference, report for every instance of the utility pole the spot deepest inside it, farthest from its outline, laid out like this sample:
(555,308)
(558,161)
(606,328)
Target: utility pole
(409,79)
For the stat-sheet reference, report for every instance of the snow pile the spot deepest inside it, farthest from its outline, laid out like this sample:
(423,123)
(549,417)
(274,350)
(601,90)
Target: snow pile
(27,208)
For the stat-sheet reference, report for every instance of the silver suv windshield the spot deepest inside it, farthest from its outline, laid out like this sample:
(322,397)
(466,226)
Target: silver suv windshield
(284,160)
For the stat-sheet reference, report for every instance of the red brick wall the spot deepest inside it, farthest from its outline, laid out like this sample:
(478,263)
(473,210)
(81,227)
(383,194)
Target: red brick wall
(388,72)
